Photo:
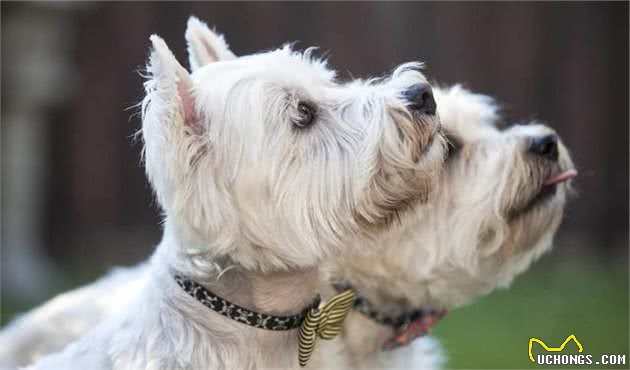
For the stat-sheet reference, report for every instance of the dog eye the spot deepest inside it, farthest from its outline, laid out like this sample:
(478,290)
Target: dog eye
(454,144)
(306,115)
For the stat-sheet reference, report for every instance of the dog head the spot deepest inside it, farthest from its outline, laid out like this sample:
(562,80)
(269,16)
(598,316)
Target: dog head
(496,209)
(267,159)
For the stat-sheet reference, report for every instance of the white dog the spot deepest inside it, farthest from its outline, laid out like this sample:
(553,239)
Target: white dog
(447,280)
(470,119)
(264,167)
(496,209)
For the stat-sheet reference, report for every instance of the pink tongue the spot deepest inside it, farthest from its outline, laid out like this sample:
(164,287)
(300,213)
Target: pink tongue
(561,177)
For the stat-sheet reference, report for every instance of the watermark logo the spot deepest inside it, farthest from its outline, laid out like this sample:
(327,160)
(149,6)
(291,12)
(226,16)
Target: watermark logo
(553,349)
(580,358)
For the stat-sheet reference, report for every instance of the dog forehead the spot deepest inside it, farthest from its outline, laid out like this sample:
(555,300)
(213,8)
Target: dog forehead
(471,130)
(281,66)
(531,129)
(468,115)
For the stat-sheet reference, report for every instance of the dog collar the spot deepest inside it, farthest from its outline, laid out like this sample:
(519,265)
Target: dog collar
(316,321)
(241,314)
(407,326)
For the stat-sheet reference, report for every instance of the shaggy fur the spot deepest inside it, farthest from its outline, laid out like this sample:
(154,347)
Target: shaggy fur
(483,226)
(253,204)
(68,316)
(470,120)
(469,193)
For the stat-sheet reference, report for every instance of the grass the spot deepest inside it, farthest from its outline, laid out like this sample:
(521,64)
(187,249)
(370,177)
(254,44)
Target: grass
(552,300)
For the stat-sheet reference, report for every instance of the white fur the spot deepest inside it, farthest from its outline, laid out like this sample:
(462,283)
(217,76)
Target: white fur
(464,242)
(452,275)
(469,116)
(63,319)
(252,204)
(205,46)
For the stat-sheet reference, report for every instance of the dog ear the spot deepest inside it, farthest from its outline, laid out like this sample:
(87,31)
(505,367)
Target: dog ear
(204,45)
(170,86)
(171,128)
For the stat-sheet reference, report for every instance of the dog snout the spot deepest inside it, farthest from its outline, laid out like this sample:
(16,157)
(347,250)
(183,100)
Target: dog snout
(545,147)
(420,98)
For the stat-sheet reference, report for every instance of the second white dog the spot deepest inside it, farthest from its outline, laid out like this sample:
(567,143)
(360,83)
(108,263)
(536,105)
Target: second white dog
(496,210)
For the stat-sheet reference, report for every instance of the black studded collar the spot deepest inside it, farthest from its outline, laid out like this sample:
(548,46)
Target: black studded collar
(241,314)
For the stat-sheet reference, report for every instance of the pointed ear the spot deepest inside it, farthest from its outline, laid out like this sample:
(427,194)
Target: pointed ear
(170,86)
(204,45)
(172,130)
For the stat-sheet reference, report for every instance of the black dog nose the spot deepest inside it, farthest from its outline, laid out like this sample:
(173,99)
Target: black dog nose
(420,98)
(545,146)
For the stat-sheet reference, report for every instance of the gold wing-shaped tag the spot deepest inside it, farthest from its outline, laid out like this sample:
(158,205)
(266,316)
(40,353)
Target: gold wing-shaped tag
(323,322)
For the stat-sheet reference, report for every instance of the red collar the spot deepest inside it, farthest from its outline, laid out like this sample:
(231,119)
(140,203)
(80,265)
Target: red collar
(407,326)
(414,329)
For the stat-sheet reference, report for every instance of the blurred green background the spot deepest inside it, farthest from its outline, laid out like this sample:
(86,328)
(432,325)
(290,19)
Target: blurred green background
(75,200)
(552,300)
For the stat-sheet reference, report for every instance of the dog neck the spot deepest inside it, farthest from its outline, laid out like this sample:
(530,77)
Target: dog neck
(376,326)
(373,332)
(277,293)
(274,293)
